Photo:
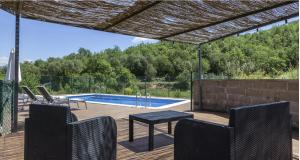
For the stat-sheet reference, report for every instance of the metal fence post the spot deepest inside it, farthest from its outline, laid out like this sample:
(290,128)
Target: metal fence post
(71,85)
(145,86)
(89,84)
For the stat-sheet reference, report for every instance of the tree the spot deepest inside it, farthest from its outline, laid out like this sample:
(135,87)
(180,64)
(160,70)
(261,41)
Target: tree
(265,54)
(30,75)
(150,72)
(183,80)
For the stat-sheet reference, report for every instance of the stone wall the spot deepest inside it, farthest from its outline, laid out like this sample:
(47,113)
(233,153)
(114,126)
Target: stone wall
(221,95)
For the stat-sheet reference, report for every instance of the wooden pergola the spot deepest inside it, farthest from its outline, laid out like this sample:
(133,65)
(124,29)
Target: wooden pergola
(196,22)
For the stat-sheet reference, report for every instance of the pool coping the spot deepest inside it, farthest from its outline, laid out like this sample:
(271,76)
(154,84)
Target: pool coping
(184,101)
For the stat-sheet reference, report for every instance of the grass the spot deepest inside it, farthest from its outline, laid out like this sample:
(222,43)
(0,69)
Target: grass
(169,93)
(292,73)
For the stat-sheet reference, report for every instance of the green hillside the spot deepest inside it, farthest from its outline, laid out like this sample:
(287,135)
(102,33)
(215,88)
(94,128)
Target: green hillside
(266,54)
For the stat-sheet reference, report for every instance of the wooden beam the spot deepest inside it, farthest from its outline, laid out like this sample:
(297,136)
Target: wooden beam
(133,14)
(254,27)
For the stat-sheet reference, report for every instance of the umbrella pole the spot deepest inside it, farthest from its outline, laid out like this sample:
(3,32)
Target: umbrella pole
(16,88)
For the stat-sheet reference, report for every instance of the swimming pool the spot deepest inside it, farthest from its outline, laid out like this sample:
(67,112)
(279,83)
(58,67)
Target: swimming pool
(130,101)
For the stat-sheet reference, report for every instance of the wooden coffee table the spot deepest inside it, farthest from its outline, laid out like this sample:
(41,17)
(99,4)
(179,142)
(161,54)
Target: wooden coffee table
(153,118)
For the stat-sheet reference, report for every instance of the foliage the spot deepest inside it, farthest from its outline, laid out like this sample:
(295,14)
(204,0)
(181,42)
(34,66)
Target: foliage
(290,74)
(128,91)
(183,80)
(2,73)
(266,54)
(30,75)
(177,94)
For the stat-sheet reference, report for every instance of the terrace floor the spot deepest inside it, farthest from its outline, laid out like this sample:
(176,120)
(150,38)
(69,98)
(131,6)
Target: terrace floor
(11,146)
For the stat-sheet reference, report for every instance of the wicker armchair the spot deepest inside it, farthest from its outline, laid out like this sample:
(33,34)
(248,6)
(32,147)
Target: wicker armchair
(260,132)
(53,132)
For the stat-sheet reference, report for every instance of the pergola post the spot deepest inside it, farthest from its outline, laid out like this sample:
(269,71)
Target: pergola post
(200,77)
(17,42)
(191,98)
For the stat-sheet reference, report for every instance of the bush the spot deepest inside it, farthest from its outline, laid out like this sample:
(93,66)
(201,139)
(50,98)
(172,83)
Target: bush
(128,91)
(66,89)
(183,81)
(110,91)
(177,94)
(290,74)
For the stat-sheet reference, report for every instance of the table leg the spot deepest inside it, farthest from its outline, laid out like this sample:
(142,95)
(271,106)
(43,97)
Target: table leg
(169,127)
(151,137)
(85,105)
(78,104)
(130,130)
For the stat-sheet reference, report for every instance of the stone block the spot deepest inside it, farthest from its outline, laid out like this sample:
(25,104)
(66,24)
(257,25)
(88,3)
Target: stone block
(289,96)
(293,85)
(277,85)
(270,94)
(232,83)
(210,83)
(253,92)
(294,107)
(259,84)
(207,96)
(245,100)
(246,83)
(236,90)
(214,90)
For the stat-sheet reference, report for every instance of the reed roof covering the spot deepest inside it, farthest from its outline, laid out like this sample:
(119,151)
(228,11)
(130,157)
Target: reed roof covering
(197,21)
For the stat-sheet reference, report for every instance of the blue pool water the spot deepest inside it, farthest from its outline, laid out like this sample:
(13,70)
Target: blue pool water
(126,100)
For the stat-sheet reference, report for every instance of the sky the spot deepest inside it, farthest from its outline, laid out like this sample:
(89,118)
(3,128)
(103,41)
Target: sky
(41,40)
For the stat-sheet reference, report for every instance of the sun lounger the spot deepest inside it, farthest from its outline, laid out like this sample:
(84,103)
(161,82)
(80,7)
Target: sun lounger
(31,95)
(50,99)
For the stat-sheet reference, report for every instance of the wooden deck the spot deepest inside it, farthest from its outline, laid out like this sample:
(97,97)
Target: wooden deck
(11,146)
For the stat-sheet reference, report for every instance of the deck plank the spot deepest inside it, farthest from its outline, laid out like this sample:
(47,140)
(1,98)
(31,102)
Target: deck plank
(12,145)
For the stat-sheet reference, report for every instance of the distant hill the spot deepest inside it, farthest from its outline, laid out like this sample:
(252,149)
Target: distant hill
(266,54)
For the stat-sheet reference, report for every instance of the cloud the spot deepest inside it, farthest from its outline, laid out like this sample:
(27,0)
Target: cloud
(3,60)
(27,60)
(143,40)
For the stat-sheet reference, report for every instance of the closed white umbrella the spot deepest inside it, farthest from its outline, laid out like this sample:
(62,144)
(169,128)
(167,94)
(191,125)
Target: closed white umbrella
(10,73)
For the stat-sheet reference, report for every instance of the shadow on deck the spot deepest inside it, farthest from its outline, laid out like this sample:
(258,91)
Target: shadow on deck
(12,146)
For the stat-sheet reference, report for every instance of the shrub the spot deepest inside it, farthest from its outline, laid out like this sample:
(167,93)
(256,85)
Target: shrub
(183,81)
(128,91)
(290,74)
(177,94)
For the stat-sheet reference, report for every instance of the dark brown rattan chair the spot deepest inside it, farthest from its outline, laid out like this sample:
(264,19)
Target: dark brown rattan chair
(53,132)
(260,132)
